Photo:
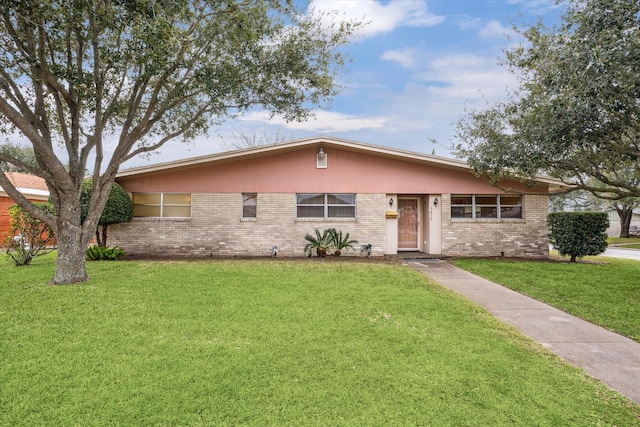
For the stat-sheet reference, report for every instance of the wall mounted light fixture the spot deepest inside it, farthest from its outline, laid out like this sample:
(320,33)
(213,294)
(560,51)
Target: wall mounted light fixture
(435,202)
(321,159)
(391,202)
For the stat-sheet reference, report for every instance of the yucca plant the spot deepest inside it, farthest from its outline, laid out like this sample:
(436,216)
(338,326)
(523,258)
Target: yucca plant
(320,242)
(341,241)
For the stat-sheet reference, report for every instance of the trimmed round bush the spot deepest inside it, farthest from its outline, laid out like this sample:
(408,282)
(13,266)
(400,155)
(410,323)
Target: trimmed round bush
(578,234)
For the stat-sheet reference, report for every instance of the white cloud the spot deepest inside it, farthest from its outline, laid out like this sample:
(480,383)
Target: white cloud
(466,23)
(405,57)
(323,122)
(430,104)
(496,29)
(381,18)
(456,62)
(469,76)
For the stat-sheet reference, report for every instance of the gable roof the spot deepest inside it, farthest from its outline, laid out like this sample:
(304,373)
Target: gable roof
(324,141)
(29,185)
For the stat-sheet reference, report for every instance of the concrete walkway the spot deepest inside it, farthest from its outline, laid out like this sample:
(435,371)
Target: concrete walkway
(606,356)
(621,252)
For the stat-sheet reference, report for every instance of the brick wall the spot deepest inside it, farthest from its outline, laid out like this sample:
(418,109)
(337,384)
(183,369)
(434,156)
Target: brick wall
(5,218)
(216,228)
(5,225)
(527,237)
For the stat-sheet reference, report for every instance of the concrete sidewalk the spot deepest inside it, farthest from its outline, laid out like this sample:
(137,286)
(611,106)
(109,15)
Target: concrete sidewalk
(606,356)
(620,252)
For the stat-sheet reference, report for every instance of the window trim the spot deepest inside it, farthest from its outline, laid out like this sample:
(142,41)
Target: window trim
(475,207)
(162,204)
(326,206)
(245,198)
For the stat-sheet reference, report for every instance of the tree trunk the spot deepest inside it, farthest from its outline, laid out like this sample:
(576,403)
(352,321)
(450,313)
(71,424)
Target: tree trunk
(72,255)
(625,214)
(101,236)
(103,240)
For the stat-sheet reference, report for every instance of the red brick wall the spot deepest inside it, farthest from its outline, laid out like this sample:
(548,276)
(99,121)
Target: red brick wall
(5,226)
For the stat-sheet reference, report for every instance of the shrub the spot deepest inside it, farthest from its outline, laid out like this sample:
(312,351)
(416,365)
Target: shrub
(29,237)
(119,209)
(578,234)
(341,241)
(320,242)
(104,253)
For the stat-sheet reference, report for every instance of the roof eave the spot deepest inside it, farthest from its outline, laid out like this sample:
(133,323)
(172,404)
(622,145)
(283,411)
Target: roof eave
(292,145)
(554,185)
(29,193)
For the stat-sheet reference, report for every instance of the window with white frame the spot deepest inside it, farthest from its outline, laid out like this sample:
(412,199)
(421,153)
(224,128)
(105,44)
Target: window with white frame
(162,205)
(249,205)
(316,205)
(478,206)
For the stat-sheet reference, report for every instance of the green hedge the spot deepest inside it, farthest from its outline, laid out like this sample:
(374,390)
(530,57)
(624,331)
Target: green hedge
(577,234)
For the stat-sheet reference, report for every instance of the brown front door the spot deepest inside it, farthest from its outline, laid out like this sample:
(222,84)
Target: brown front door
(407,224)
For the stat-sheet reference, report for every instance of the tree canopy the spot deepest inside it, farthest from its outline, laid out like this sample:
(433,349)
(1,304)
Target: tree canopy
(585,201)
(576,114)
(93,83)
(22,153)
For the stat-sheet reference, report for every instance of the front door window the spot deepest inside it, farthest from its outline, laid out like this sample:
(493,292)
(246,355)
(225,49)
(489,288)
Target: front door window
(408,224)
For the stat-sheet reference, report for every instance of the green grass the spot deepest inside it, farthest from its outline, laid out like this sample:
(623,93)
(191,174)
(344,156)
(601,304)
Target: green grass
(604,292)
(622,240)
(273,343)
(631,246)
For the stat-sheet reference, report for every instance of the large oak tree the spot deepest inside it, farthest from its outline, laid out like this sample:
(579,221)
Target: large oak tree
(576,114)
(93,83)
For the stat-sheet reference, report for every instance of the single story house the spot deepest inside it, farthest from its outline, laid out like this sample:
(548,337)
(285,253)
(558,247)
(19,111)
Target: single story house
(245,202)
(32,187)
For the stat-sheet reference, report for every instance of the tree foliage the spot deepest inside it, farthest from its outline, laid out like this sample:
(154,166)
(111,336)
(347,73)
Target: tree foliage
(29,237)
(22,153)
(576,115)
(118,209)
(93,83)
(584,201)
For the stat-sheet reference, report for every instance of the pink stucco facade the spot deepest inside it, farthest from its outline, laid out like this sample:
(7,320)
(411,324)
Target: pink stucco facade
(295,171)
(379,178)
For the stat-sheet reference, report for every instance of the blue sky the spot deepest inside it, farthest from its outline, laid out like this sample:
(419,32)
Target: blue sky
(415,68)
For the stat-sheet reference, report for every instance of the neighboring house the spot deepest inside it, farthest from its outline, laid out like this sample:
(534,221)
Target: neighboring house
(32,187)
(242,203)
(615,226)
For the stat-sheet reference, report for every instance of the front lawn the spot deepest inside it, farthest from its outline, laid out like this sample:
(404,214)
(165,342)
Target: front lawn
(271,343)
(604,291)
